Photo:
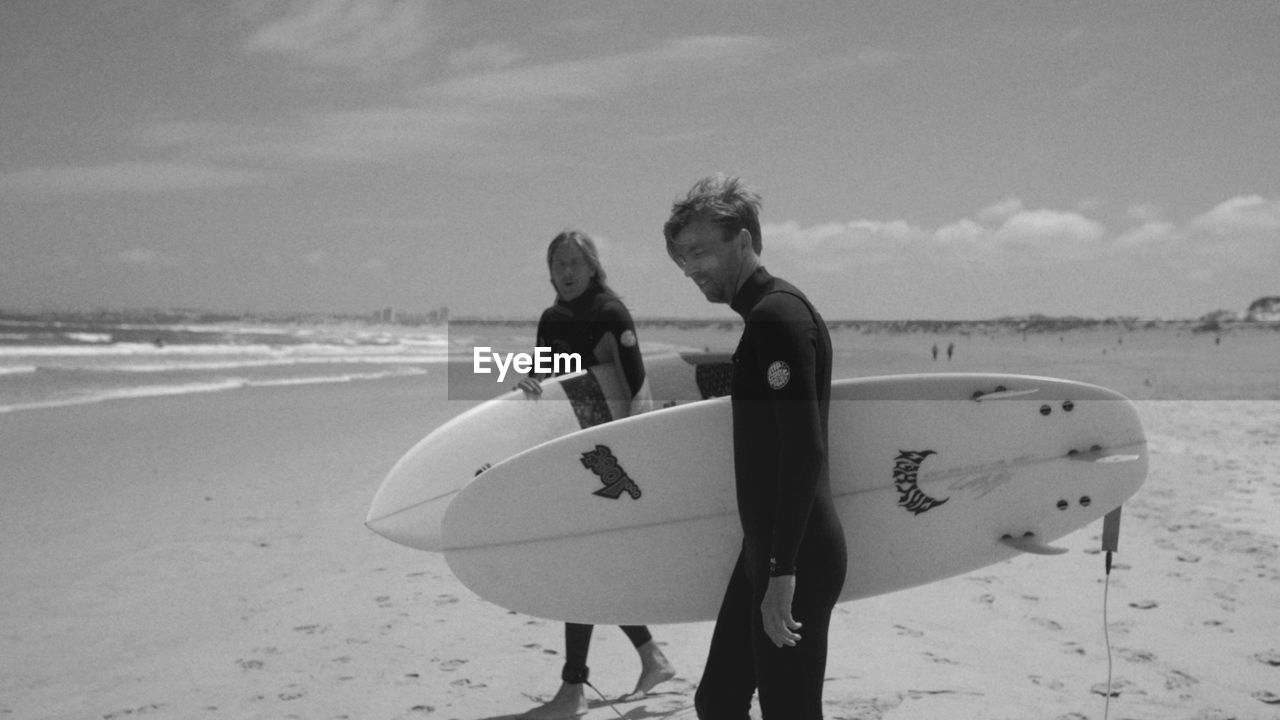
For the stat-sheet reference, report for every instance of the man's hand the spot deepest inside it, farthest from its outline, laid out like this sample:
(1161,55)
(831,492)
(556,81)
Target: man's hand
(776,611)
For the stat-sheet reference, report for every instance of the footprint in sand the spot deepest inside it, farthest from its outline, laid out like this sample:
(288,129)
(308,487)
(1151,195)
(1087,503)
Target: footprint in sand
(1144,604)
(1117,688)
(1266,696)
(132,711)
(1177,680)
(1271,657)
(902,630)
(1137,656)
(1047,624)
(1042,682)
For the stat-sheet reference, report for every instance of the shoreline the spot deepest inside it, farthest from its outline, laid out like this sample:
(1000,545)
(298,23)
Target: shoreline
(1143,364)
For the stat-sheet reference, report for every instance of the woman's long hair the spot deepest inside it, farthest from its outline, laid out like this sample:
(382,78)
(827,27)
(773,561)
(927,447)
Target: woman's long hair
(584,243)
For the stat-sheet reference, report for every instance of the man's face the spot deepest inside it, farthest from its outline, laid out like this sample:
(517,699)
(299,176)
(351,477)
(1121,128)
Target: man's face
(711,262)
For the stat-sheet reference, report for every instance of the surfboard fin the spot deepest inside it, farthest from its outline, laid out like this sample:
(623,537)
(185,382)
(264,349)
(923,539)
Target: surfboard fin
(1029,543)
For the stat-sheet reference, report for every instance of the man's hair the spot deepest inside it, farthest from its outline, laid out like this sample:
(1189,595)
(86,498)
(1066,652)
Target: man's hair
(720,199)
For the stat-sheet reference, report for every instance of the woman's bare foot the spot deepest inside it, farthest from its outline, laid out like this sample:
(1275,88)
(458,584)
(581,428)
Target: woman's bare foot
(655,669)
(570,702)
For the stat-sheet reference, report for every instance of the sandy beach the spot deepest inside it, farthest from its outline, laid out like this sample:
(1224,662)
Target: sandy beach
(203,556)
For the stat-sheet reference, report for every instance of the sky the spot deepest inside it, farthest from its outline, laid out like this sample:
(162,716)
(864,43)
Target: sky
(917,160)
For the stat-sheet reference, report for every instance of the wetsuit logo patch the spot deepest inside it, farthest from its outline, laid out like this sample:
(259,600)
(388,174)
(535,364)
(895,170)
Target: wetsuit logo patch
(628,339)
(616,481)
(910,496)
(778,374)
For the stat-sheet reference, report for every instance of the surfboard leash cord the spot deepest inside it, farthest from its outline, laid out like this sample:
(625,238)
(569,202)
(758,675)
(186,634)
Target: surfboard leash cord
(607,701)
(1106,634)
(1110,544)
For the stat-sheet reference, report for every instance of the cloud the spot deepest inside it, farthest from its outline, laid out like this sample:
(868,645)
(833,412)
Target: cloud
(841,235)
(357,136)
(1046,228)
(1233,239)
(1153,233)
(1240,234)
(1244,214)
(346,34)
(599,76)
(126,177)
(1001,211)
(961,232)
(460,116)
(1009,234)
(837,246)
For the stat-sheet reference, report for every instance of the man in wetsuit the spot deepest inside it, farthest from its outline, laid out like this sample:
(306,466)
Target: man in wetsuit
(771,633)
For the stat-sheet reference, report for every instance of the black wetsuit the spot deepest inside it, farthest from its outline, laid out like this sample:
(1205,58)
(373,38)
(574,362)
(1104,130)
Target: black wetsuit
(578,326)
(781,398)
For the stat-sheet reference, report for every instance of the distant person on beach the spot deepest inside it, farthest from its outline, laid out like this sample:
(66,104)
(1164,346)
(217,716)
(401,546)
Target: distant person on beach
(771,633)
(951,349)
(589,319)
(935,352)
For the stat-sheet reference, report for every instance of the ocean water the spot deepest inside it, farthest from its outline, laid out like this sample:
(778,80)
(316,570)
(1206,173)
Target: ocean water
(58,363)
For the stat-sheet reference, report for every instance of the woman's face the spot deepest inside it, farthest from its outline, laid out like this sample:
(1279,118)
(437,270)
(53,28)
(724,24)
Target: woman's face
(570,272)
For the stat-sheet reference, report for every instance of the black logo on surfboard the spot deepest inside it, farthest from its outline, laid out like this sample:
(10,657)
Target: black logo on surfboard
(616,481)
(910,496)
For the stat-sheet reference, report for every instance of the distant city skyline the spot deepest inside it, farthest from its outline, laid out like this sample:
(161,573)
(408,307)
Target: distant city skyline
(918,160)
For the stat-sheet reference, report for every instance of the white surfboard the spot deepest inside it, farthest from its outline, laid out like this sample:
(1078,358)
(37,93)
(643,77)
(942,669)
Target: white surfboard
(635,522)
(409,505)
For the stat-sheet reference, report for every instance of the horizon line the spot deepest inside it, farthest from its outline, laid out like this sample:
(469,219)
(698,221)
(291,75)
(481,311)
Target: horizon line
(213,315)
